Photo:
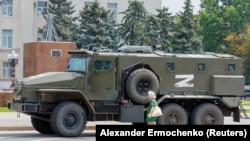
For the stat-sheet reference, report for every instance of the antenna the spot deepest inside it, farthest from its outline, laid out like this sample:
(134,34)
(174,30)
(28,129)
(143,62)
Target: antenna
(49,33)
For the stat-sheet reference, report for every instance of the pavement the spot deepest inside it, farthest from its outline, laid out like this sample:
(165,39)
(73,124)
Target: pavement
(11,121)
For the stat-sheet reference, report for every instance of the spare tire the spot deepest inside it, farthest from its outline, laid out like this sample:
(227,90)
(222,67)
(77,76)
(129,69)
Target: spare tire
(138,84)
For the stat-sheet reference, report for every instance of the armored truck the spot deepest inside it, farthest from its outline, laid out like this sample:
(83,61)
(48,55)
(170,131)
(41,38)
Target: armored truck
(191,89)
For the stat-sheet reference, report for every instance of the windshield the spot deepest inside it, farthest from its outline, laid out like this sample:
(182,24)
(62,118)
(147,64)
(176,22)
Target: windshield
(77,64)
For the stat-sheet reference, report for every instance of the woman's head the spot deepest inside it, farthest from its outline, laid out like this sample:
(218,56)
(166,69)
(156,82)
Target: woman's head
(151,95)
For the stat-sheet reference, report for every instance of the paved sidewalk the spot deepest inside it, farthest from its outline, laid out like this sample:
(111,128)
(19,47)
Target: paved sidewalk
(10,121)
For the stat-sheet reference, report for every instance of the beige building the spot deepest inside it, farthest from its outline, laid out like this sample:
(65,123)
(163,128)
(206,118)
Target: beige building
(19,22)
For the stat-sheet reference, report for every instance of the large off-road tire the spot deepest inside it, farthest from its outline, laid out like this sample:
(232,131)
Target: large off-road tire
(41,126)
(207,114)
(139,82)
(173,114)
(68,119)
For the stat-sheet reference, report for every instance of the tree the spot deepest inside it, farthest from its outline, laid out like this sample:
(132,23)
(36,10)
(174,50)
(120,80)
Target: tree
(211,27)
(245,53)
(185,39)
(166,28)
(63,20)
(239,44)
(219,18)
(152,30)
(235,42)
(132,28)
(113,33)
(96,28)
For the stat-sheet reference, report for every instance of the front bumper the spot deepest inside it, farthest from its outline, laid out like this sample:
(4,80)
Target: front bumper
(23,107)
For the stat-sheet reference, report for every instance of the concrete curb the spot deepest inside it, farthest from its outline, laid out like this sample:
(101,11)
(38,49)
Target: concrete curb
(16,128)
(23,128)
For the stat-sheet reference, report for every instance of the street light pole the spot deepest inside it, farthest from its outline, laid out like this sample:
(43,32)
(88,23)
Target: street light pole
(13,60)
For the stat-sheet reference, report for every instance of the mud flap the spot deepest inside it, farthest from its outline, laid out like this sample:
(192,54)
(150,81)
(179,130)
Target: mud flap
(236,115)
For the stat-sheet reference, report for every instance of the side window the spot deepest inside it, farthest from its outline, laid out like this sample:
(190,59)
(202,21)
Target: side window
(231,68)
(201,67)
(170,66)
(103,65)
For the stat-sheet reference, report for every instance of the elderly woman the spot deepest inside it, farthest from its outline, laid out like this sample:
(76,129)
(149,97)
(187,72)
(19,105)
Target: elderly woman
(152,104)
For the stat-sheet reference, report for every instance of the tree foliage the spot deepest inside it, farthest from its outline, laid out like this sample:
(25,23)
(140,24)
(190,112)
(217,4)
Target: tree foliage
(152,30)
(132,29)
(185,40)
(113,33)
(245,53)
(166,28)
(63,20)
(218,18)
(239,44)
(234,42)
(96,29)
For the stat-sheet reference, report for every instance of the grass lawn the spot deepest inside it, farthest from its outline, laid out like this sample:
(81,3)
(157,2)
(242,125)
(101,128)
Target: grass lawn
(5,109)
(246,103)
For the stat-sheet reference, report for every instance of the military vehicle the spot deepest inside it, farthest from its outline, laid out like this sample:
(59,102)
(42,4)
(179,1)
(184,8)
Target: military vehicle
(191,89)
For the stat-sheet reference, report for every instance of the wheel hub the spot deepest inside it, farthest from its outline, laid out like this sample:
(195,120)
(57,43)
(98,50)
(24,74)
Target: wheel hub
(208,119)
(173,119)
(70,120)
(143,86)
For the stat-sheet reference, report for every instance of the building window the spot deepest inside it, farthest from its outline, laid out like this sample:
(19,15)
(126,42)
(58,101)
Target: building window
(113,9)
(7,8)
(7,39)
(39,36)
(6,70)
(56,53)
(41,6)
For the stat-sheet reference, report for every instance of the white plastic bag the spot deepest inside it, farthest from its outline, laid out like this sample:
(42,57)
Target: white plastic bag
(156,112)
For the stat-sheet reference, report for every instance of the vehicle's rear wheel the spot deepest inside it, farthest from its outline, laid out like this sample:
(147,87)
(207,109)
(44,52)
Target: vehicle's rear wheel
(173,114)
(207,114)
(68,119)
(139,83)
(41,126)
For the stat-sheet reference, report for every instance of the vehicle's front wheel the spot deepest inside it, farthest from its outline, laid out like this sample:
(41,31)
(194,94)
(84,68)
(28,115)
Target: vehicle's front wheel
(68,119)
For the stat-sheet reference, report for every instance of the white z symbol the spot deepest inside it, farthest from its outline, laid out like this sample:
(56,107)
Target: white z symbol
(184,83)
